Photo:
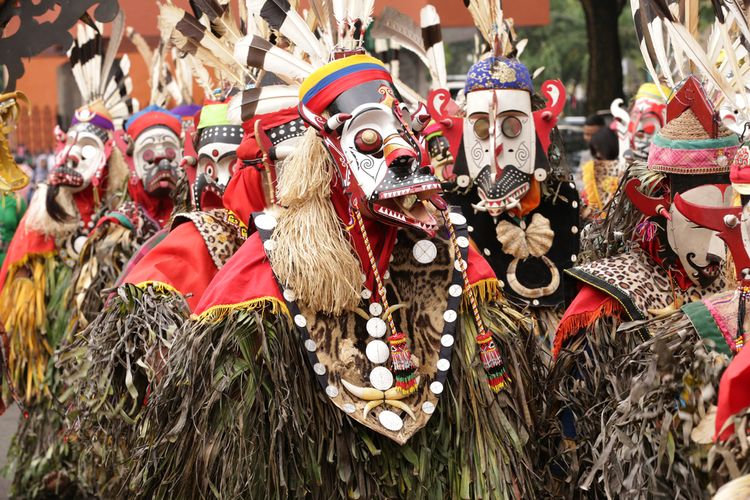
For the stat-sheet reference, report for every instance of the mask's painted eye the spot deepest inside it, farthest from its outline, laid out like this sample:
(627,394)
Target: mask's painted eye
(88,151)
(649,129)
(148,155)
(482,128)
(368,141)
(210,170)
(511,127)
(171,153)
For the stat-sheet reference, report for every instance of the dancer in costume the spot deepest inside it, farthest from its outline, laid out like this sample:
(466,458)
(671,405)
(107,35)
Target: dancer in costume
(128,341)
(497,161)
(320,351)
(89,176)
(635,128)
(153,147)
(666,392)
(671,262)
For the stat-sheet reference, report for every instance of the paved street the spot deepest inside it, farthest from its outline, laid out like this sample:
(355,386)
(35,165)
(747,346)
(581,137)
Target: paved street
(7,428)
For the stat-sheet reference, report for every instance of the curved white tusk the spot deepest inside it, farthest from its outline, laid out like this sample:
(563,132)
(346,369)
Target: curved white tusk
(403,406)
(392,309)
(366,393)
(664,311)
(512,204)
(480,206)
(369,406)
(362,314)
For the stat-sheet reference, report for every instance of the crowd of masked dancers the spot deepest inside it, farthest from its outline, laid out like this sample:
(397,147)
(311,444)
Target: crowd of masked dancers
(320,283)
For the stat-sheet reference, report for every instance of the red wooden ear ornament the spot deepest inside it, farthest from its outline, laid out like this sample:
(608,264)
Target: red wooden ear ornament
(692,96)
(444,110)
(648,205)
(545,119)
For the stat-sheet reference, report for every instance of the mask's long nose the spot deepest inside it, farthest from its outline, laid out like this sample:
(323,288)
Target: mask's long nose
(397,152)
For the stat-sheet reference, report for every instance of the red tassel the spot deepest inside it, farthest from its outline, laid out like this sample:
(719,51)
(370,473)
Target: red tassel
(403,368)
(492,362)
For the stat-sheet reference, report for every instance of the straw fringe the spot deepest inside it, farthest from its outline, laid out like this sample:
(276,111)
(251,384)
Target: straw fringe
(312,254)
(487,290)
(158,287)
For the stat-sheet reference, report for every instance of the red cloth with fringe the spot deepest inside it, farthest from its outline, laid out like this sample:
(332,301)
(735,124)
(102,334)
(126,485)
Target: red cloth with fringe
(248,276)
(25,243)
(589,305)
(184,248)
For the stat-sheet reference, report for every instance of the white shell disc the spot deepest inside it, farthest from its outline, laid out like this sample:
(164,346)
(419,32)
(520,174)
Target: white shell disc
(376,309)
(377,352)
(390,420)
(381,378)
(376,327)
(424,251)
(265,222)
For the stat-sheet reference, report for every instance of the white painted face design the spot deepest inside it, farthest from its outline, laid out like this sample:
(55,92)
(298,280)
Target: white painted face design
(216,160)
(699,249)
(155,146)
(363,140)
(388,178)
(499,141)
(78,161)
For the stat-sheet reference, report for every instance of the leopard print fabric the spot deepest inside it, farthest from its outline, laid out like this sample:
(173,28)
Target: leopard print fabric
(639,284)
(341,341)
(222,232)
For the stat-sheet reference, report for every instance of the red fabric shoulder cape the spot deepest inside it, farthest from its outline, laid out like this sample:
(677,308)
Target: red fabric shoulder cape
(184,249)
(248,278)
(25,244)
(181,261)
(589,305)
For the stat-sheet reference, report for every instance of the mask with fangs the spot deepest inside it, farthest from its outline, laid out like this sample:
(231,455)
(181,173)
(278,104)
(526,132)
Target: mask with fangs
(84,151)
(368,132)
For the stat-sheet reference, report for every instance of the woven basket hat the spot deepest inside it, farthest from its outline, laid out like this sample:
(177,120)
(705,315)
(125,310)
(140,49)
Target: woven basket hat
(683,146)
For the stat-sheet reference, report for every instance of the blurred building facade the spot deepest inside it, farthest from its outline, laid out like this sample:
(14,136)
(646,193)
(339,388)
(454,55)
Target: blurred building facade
(49,84)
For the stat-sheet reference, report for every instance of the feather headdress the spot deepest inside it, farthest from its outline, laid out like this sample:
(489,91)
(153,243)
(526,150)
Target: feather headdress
(99,76)
(207,39)
(667,34)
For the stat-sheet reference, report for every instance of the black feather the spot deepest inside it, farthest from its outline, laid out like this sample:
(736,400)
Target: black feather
(274,12)
(718,10)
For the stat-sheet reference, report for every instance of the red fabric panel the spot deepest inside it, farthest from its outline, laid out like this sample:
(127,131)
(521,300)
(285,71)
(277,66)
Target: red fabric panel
(247,276)
(734,392)
(180,261)
(589,305)
(24,244)
(244,194)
